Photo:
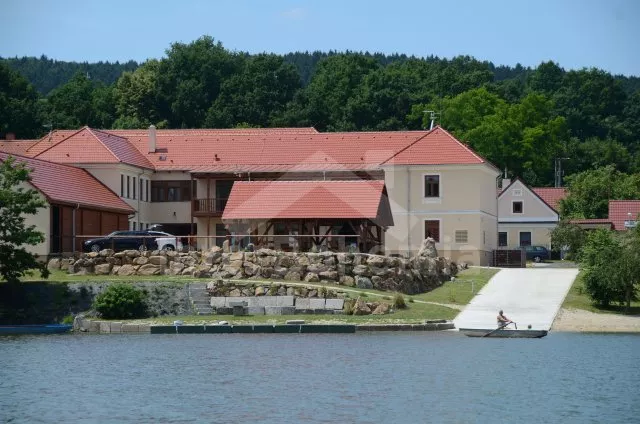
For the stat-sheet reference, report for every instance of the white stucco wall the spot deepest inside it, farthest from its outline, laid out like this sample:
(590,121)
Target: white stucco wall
(467,201)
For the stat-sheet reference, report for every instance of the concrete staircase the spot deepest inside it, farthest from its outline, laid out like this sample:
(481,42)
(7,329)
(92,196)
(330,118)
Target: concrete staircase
(200,299)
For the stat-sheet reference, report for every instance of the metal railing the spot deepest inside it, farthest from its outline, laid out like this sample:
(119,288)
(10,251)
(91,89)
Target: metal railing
(212,206)
(68,245)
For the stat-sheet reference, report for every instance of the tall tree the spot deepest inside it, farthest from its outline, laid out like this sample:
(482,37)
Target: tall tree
(590,192)
(136,97)
(19,110)
(16,201)
(190,80)
(260,90)
(322,103)
(81,102)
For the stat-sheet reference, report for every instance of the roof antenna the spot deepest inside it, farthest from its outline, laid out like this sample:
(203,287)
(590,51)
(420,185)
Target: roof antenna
(432,116)
(50,126)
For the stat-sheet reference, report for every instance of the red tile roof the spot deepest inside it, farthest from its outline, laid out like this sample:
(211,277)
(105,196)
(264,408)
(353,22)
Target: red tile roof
(93,146)
(551,195)
(18,147)
(265,152)
(436,147)
(256,149)
(69,185)
(623,210)
(304,199)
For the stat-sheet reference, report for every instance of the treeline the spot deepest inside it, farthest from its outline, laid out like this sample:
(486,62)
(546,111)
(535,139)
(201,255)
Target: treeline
(46,74)
(519,118)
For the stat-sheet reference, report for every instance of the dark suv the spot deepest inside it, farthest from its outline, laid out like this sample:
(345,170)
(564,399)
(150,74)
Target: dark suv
(536,253)
(130,240)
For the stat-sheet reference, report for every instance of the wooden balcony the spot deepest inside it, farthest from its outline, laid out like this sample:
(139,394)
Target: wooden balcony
(209,207)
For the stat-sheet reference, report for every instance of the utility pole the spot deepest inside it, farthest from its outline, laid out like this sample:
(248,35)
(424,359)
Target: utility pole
(558,171)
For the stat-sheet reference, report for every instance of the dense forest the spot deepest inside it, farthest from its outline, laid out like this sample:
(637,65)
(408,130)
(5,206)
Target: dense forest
(519,118)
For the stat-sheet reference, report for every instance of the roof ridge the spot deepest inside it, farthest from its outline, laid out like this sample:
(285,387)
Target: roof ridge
(92,131)
(41,160)
(58,142)
(407,146)
(470,150)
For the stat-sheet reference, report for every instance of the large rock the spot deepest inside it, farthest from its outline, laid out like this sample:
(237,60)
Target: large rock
(316,268)
(213,256)
(293,276)
(348,281)
(141,260)
(103,269)
(127,270)
(311,277)
(176,268)
(329,275)
(149,269)
(54,264)
(381,309)
(266,252)
(131,253)
(236,256)
(158,260)
(363,282)
(376,261)
(428,248)
(251,269)
(361,270)
(345,258)
(361,308)
(267,261)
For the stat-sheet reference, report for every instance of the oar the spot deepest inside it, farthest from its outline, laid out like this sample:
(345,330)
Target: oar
(499,328)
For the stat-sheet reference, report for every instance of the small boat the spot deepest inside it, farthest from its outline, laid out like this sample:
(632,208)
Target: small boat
(35,329)
(503,333)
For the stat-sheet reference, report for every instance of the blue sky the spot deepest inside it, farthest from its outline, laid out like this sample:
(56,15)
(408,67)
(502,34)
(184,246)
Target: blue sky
(574,33)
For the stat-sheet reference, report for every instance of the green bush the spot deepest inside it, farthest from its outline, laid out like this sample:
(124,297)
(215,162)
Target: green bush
(398,301)
(121,301)
(322,292)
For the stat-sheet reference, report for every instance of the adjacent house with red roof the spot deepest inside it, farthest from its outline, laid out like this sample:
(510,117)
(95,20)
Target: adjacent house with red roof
(77,205)
(293,187)
(527,215)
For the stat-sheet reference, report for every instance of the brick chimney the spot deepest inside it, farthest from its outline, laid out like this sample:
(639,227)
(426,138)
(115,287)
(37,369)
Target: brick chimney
(152,138)
(10,136)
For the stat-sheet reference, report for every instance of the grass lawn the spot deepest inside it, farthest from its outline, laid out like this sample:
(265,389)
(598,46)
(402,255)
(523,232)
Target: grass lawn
(415,313)
(460,292)
(578,299)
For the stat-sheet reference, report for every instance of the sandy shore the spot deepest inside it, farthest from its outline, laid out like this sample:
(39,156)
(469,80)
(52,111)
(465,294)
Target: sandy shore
(584,321)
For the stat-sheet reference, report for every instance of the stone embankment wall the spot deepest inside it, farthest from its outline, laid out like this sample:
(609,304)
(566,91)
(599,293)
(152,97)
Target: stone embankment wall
(418,274)
(43,302)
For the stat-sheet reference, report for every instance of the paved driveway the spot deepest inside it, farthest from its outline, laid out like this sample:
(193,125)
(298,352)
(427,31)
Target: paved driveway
(527,296)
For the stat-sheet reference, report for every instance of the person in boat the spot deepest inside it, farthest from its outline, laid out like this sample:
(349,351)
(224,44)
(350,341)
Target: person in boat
(503,321)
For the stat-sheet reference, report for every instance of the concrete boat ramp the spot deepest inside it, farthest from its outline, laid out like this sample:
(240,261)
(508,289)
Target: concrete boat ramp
(528,296)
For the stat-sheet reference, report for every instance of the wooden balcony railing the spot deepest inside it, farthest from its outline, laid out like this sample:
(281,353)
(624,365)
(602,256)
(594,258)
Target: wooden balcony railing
(209,207)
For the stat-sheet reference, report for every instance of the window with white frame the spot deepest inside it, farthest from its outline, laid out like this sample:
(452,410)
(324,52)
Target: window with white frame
(431,186)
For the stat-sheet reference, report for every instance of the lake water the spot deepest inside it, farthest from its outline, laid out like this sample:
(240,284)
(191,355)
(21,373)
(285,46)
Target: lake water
(357,378)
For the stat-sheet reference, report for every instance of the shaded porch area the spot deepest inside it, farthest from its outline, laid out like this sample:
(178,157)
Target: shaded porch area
(303,215)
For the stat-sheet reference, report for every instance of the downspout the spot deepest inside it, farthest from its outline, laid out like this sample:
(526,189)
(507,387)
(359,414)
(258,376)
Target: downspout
(497,239)
(73,225)
(408,212)
(138,197)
